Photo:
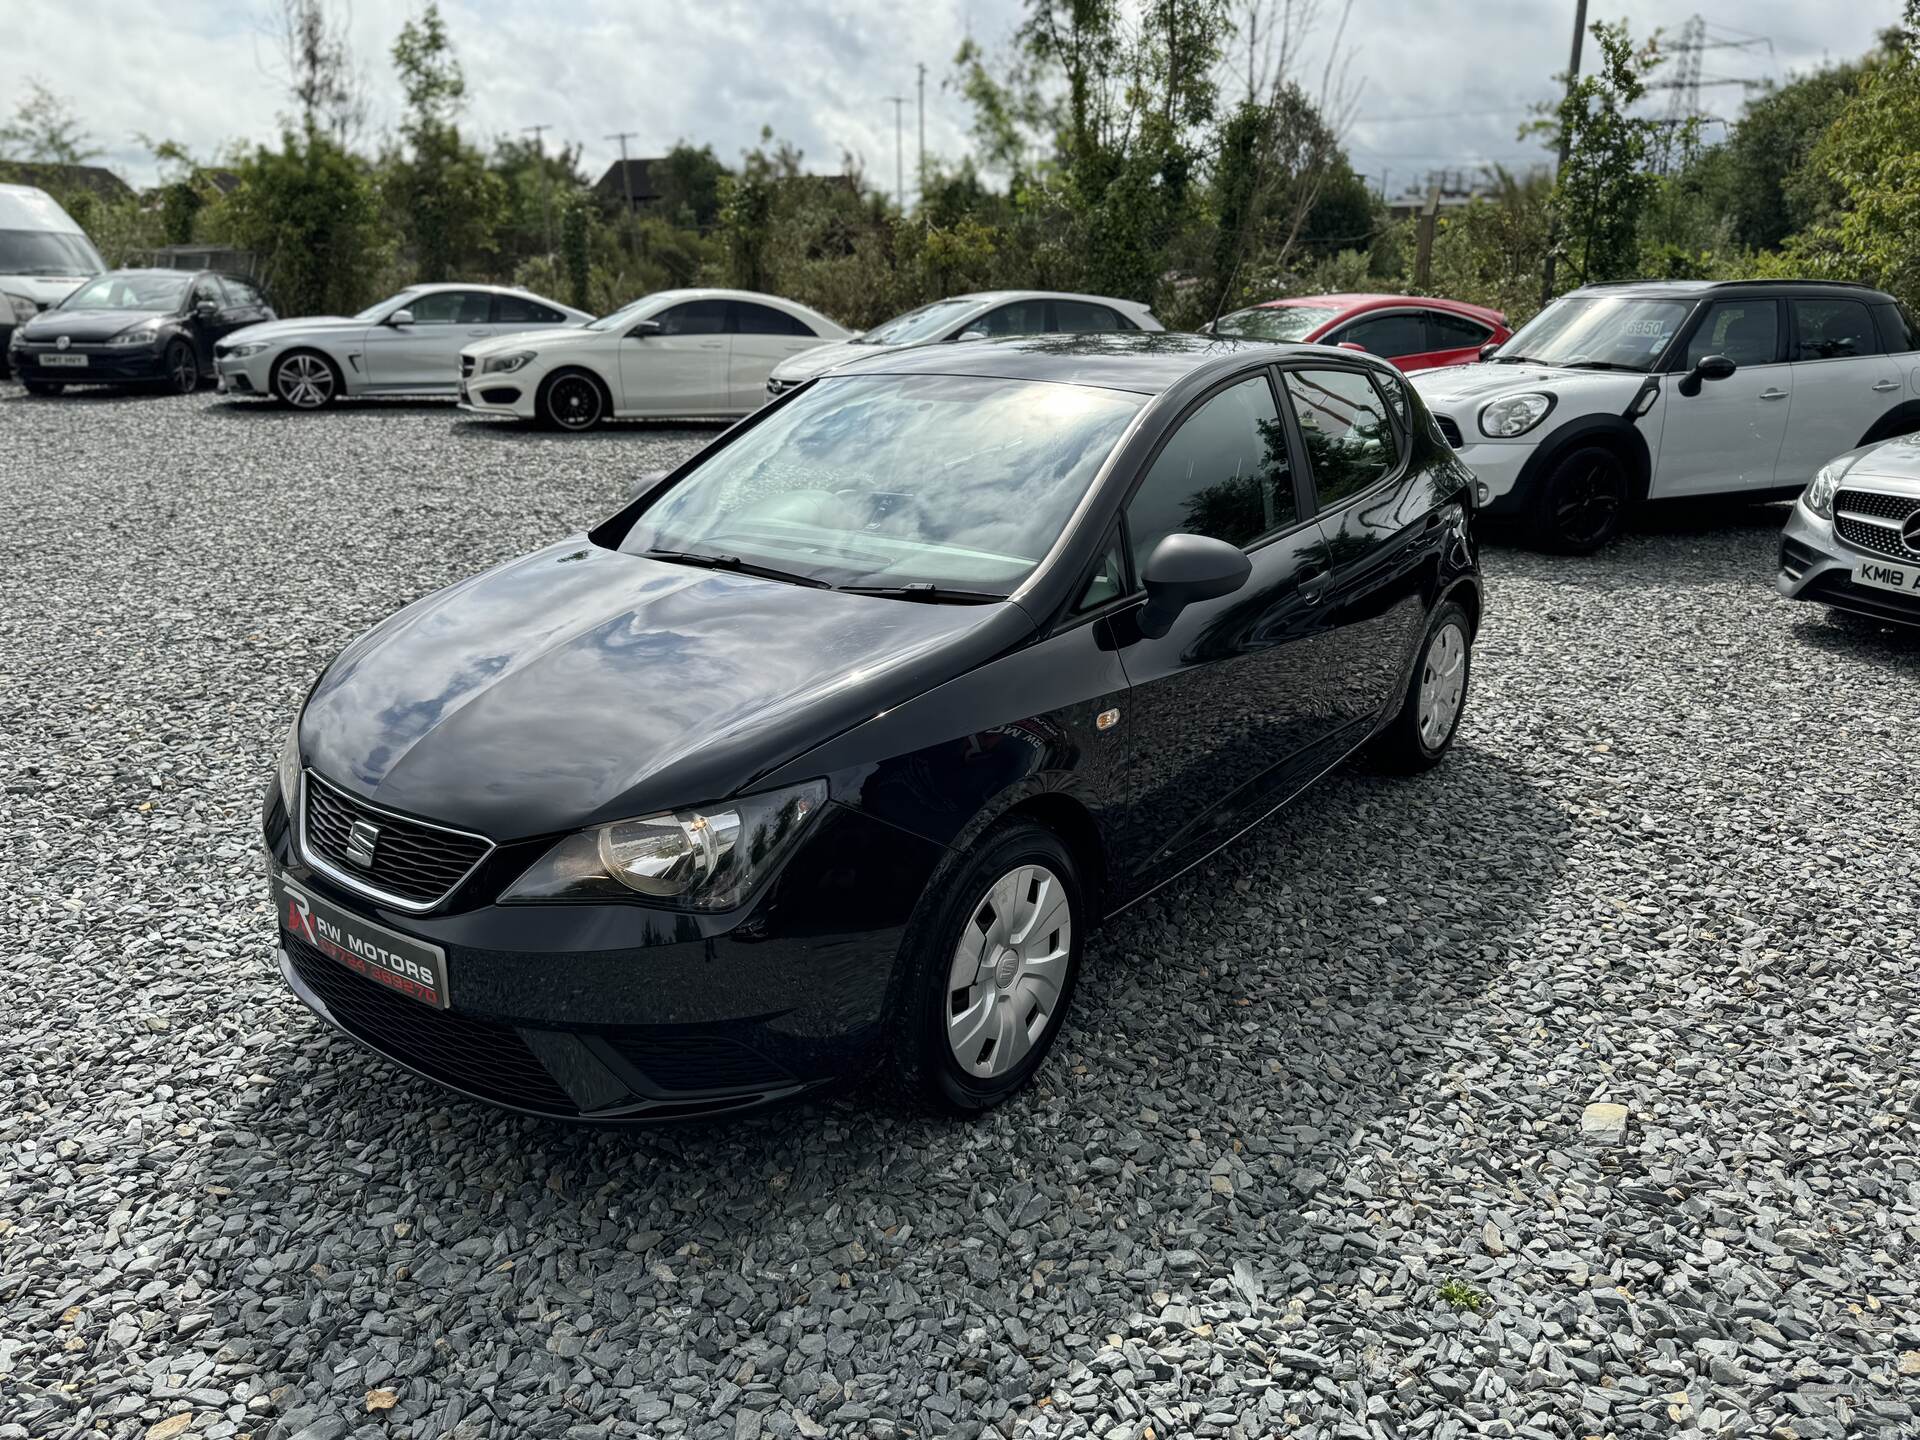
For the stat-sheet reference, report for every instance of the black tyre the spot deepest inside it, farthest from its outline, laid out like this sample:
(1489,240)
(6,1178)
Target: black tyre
(1436,697)
(988,970)
(1583,503)
(181,368)
(573,400)
(43,387)
(305,380)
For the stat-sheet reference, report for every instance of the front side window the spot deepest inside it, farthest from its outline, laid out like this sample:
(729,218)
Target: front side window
(1023,317)
(1746,331)
(1598,332)
(695,317)
(1284,323)
(1832,330)
(956,481)
(386,307)
(1388,336)
(451,307)
(160,294)
(751,319)
(1224,473)
(208,288)
(1350,441)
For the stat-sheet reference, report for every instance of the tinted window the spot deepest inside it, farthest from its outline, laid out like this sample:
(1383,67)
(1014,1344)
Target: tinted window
(1023,317)
(696,317)
(1224,473)
(1896,330)
(1832,330)
(519,310)
(1403,333)
(1747,332)
(1080,317)
(1109,578)
(750,319)
(1350,441)
(451,307)
(1455,332)
(208,288)
(241,292)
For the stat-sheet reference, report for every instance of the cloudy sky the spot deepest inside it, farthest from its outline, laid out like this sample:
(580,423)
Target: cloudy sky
(1440,83)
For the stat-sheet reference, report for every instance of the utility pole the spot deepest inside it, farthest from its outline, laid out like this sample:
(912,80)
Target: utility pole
(1573,78)
(546,198)
(626,180)
(920,182)
(899,103)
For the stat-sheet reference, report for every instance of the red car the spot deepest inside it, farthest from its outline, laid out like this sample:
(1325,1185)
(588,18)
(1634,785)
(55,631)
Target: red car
(1415,332)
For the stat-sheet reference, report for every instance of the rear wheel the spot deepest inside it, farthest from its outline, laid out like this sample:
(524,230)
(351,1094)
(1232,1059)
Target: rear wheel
(305,380)
(43,387)
(1584,502)
(991,971)
(182,368)
(1421,734)
(572,400)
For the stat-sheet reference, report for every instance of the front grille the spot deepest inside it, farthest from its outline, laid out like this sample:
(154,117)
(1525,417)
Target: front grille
(683,1061)
(1871,520)
(466,367)
(414,862)
(1450,428)
(482,1057)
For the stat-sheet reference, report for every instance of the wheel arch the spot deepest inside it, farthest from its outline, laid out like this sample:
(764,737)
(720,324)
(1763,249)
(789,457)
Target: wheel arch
(1902,419)
(1614,432)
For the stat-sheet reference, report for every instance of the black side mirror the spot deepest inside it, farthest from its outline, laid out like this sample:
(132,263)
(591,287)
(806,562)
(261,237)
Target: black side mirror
(1708,367)
(1184,569)
(206,307)
(643,328)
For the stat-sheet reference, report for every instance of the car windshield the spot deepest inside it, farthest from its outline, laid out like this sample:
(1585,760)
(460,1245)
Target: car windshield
(958,482)
(615,319)
(47,252)
(929,322)
(1274,322)
(374,312)
(129,291)
(1602,332)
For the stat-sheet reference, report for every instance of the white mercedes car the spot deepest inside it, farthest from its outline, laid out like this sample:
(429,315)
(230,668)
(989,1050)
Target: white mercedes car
(682,354)
(986,315)
(408,344)
(1618,394)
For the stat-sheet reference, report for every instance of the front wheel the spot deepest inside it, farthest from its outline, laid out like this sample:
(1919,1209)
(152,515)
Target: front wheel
(182,368)
(572,400)
(305,381)
(1583,503)
(1429,717)
(989,973)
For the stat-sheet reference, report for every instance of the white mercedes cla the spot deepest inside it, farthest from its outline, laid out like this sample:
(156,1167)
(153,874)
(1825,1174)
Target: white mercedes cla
(682,354)
(408,344)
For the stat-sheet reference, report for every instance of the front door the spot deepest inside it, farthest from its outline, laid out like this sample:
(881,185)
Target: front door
(1728,436)
(1842,384)
(761,338)
(1221,709)
(209,325)
(424,354)
(681,369)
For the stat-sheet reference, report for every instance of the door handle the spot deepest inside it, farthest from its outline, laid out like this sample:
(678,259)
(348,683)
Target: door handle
(478,332)
(1313,587)
(1773,394)
(1884,385)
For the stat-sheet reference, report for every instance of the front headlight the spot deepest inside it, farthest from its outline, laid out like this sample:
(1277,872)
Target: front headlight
(1515,415)
(1819,496)
(139,335)
(708,858)
(248,347)
(23,308)
(505,364)
(289,768)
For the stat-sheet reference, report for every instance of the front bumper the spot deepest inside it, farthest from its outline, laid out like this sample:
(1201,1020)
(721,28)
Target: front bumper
(1496,467)
(512,394)
(106,365)
(618,1012)
(1816,564)
(244,375)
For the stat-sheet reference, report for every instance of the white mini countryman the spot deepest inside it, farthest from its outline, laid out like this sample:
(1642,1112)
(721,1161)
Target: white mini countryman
(1618,394)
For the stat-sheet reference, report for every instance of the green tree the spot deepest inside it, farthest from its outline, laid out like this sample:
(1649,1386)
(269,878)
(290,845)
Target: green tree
(44,129)
(688,181)
(576,221)
(1760,179)
(447,203)
(311,213)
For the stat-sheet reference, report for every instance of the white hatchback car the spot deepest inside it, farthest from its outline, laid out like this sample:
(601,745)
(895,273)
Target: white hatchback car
(408,344)
(1618,394)
(676,353)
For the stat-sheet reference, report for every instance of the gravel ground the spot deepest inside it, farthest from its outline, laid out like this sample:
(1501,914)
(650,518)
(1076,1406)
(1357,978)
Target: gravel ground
(1309,1160)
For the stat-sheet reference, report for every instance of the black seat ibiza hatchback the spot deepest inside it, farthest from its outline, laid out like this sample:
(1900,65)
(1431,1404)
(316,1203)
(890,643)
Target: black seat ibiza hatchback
(835,743)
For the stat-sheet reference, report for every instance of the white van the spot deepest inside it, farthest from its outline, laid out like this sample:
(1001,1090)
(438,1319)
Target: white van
(43,256)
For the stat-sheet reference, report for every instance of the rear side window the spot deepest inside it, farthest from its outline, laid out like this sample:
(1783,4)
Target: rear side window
(1401,333)
(1350,440)
(1832,330)
(1224,473)
(1896,330)
(1455,332)
(751,319)
(1080,317)
(1023,317)
(1747,332)
(519,310)
(451,307)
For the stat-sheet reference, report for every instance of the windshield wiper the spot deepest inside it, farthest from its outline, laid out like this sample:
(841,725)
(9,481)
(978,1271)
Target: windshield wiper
(1517,360)
(1600,365)
(735,564)
(926,592)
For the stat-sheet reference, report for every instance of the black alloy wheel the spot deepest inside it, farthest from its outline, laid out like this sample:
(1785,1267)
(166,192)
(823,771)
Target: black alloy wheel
(572,400)
(1584,503)
(182,367)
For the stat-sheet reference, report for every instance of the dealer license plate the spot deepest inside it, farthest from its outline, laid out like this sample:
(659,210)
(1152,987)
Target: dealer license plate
(1884,575)
(74,362)
(401,963)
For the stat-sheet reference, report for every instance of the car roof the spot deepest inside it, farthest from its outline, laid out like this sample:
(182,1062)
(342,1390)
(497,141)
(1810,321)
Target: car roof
(1147,362)
(1349,301)
(1692,289)
(437,286)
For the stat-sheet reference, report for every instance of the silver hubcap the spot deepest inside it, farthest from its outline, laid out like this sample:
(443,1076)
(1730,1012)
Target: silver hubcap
(575,402)
(1443,683)
(305,381)
(1008,971)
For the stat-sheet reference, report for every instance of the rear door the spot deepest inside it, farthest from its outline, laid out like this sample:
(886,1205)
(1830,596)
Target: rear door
(425,354)
(1224,709)
(1842,383)
(761,337)
(682,370)
(1727,437)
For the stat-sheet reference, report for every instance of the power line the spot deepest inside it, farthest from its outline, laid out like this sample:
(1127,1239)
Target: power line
(540,159)
(626,180)
(899,103)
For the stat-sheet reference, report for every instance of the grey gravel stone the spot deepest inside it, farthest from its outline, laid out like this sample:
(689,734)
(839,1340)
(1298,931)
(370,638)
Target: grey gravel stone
(1669,865)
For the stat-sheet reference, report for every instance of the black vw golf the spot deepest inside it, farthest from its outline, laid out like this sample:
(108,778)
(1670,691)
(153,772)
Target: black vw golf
(833,745)
(134,327)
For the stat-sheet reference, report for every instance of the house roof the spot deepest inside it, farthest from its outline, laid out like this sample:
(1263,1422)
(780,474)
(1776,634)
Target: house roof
(48,175)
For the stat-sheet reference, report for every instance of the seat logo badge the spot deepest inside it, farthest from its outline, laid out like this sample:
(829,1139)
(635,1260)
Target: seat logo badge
(1910,532)
(361,840)
(1106,719)
(63,342)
